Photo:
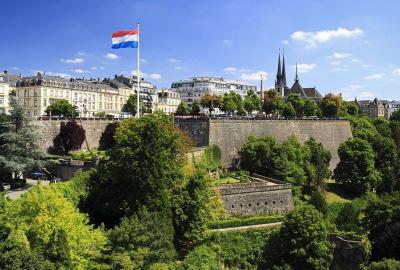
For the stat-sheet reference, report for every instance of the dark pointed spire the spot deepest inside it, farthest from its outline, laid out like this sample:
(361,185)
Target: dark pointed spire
(283,70)
(296,78)
(279,71)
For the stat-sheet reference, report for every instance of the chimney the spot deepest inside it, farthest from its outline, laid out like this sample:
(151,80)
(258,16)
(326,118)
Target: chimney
(115,76)
(5,71)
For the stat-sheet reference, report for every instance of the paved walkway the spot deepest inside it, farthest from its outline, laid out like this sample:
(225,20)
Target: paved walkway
(247,227)
(16,193)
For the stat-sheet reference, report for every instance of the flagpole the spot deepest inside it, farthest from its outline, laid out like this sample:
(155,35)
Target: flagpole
(138,75)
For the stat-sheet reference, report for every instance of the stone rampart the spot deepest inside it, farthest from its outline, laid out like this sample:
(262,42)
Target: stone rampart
(231,134)
(258,197)
(49,129)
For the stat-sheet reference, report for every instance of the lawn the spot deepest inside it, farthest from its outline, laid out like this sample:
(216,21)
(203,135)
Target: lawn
(335,192)
(227,180)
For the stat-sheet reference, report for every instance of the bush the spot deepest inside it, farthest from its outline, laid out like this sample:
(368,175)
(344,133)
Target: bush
(71,137)
(385,264)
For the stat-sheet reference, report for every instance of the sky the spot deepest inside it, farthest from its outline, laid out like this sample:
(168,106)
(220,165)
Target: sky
(348,47)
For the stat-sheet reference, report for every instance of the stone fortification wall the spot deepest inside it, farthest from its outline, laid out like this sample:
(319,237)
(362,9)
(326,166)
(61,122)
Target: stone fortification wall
(49,129)
(230,134)
(259,197)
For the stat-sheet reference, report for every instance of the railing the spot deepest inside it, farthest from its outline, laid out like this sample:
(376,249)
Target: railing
(215,117)
(48,118)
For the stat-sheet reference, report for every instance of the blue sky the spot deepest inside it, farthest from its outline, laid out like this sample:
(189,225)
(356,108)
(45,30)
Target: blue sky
(341,46)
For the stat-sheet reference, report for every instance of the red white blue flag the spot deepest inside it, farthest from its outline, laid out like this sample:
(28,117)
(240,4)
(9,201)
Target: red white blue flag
(125,39)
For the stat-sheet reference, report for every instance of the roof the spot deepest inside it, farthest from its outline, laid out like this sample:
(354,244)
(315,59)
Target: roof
(296,89)
(312,92)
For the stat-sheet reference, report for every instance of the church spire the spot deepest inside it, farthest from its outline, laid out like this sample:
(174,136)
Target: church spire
(279,71)
(283,70)
(296,78)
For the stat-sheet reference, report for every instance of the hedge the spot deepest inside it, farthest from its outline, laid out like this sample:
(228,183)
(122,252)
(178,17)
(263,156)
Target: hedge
(238,222)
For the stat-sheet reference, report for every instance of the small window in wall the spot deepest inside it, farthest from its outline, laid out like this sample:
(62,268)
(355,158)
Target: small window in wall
(266,203)
(241,206)
(249,204)
(281,201)
(273,202)
(258,203)
(233,206)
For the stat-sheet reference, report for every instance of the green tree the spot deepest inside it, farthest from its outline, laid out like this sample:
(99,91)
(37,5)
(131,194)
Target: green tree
(251,102)
(273,104)
(231,102)
(257,155)
(352,107)
(356,168)
(382,222)
(317,199)
(192,208)
(140,170)
(195,110)
(319,159)
(330,105)
(395,116)
(297,102)
(182,109)
(62,108)
(210,102)
(288,110)
(131,104)
(301,243)
(145,237)
(385,264)
(311,108)
(42,214)
(348,218)
(19,149)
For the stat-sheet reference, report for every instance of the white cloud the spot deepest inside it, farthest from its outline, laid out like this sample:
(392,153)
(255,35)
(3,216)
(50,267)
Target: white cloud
(377,76)
(173,60)
(57,74)
(178,68)
(256,76)
(227,41)
(338,69)
(93,68)
(155,76)
(313,39)
(358,91)
(355,60)
(335,63)
(364,66)
(142,74)
(286,42)
(304,68)
(143,60)
(16,68)
(80,71)
(337,55)
(396,71)
(112,56)
(230,70)
(76,60)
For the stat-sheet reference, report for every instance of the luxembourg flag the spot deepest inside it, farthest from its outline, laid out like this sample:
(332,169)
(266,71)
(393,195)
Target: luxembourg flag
(125,39)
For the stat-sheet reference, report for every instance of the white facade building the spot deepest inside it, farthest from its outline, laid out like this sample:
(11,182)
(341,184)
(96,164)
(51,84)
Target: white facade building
(196,87)
(91,96)
(167,101)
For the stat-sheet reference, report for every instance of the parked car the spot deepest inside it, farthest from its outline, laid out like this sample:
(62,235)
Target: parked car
(5,186)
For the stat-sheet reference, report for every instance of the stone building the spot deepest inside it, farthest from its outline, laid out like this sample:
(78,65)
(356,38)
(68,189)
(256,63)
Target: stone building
(7,89)
(167,101)
(90,96)
(196,87)
(263,195)
(283,90)
(379,108)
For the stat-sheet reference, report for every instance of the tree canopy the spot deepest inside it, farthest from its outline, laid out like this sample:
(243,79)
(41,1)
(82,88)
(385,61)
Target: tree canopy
(62,108)
(211,102)
(330,105)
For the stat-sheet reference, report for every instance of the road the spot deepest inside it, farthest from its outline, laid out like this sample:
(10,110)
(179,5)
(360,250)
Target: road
(16,193)
(247,227)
